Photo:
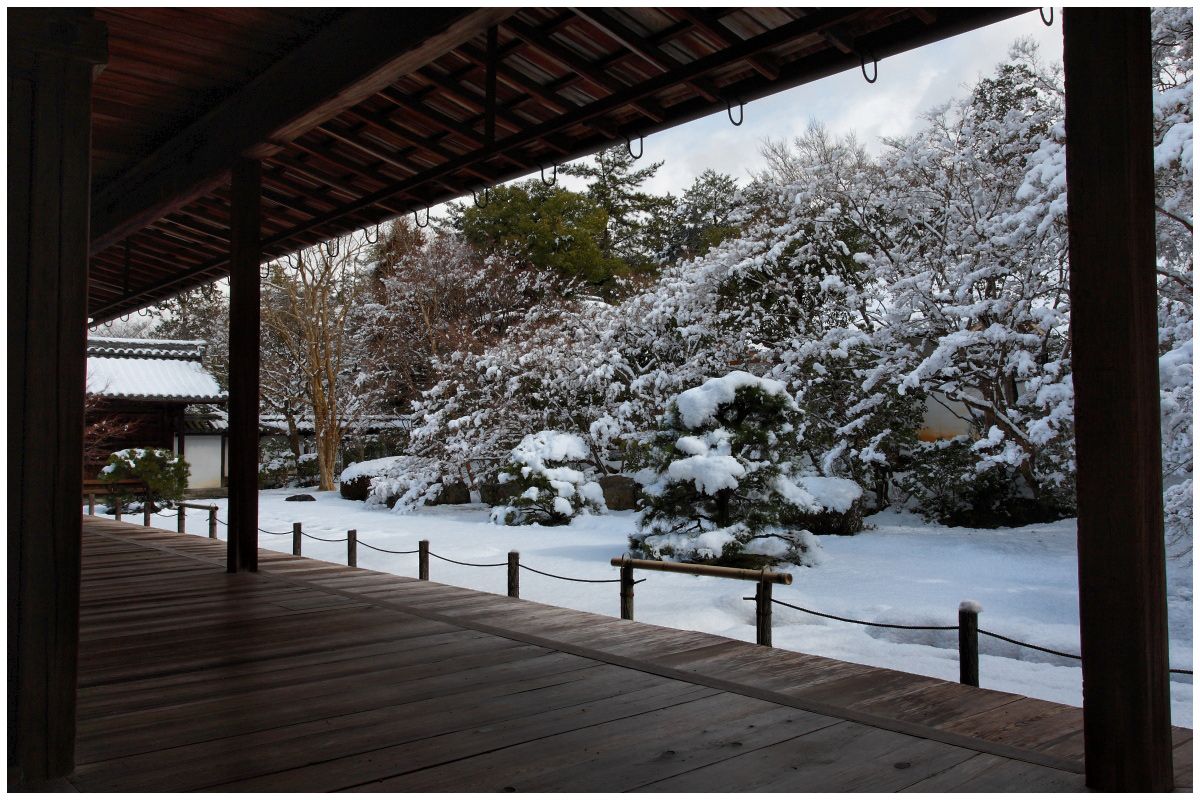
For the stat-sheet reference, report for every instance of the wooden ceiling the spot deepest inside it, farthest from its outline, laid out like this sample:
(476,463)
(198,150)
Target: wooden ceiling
(363,115)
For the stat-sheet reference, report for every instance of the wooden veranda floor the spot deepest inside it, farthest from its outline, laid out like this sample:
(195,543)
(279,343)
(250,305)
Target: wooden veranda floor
(310,676)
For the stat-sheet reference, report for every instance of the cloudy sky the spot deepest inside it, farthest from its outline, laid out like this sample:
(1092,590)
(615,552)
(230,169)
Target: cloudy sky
(909,84)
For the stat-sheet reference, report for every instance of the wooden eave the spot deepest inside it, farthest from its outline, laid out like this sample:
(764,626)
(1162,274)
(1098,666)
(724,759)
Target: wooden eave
(363,115)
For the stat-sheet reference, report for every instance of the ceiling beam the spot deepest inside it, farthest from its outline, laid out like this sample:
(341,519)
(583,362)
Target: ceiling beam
(360,53)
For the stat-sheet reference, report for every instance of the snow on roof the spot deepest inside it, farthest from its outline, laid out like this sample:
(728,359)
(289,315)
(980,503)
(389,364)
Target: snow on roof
(146,378)
(146,348)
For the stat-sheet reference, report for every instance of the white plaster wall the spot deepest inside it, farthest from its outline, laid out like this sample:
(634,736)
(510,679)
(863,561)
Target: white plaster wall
(941,422)
(203,455)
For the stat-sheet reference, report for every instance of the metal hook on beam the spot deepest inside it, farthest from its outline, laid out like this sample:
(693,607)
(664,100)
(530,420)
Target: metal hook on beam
(862,61)
(374,240)
(641,147)
(333,247)
(741,112)
(553,180)
(417,220)
(487,198)
(1048,23)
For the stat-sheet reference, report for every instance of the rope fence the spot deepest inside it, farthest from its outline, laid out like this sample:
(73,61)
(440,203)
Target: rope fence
(968,627)
(978,631)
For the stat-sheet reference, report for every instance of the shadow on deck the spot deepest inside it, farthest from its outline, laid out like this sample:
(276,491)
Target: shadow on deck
(310,676)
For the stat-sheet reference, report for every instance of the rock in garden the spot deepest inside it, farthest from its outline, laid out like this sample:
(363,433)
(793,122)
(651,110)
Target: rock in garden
(300,497)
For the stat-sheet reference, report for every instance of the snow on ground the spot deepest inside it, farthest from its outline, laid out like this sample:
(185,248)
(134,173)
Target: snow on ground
(903,571)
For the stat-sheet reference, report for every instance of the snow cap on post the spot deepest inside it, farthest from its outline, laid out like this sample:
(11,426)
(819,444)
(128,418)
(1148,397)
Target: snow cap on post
(970,606)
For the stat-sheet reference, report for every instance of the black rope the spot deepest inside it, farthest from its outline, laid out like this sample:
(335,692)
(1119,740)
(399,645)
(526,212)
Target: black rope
(394,552)
(319,539)
(465,564)
(577,580)
(863,622)
(275,533)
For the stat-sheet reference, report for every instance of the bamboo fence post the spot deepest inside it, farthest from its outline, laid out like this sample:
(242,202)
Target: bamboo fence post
(627,591)
(514,574)
(297,538)
(968,642)
(762,613)
(352,548)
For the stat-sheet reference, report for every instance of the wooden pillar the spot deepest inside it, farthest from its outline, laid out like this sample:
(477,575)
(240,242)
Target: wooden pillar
(53,56)
(1114,336)
(244,291)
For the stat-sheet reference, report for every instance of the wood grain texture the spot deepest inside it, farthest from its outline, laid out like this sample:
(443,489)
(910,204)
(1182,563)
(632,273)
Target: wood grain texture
(311,676)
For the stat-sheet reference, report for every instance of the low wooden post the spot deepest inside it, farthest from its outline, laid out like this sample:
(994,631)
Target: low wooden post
(297,538)
(423,560)
(352,548)
(968,642)
(118,514)
(212,522)
(92,504)
(514,574)
(627,591)
(146,510)
(762,613)
(180,519)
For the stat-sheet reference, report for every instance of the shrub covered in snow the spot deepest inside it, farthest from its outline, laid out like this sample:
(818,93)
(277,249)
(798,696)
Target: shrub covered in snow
(725,485)
(551,491)
(406,483)
(951,482)
(354,482)
(164,473)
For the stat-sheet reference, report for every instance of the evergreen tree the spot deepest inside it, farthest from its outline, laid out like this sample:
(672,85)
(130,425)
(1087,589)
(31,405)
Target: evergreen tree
(614,185)
(725,484)
(548,226)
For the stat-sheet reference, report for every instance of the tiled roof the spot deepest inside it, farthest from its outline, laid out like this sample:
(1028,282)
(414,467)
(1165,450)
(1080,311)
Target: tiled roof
(149,369)
(145,348)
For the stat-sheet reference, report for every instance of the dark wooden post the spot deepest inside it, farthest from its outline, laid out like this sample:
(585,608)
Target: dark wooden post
(181,519)
(53,55)
(762,614)
(245,256)
(968,642)
(627,591)
(1114,338)
(352,548)
(212,522)
(297,538)
(117,513)
(92,504)
(514,574)
(146,509)
(423,560)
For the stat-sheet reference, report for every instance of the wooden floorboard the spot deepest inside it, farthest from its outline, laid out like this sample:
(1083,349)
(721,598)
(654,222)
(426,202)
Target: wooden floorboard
(313,676)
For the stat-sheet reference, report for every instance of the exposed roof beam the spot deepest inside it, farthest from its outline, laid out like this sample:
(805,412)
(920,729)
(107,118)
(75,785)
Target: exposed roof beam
(363,51)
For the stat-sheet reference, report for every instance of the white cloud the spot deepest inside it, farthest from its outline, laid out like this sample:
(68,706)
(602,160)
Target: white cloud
(909,84)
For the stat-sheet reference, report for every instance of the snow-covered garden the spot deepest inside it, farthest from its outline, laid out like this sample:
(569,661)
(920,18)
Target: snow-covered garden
(900,570)
(758,365)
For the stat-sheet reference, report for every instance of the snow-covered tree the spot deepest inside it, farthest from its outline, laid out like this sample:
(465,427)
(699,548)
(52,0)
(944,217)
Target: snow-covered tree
(309,304)
(550,487)
(725,487)
(1172,37)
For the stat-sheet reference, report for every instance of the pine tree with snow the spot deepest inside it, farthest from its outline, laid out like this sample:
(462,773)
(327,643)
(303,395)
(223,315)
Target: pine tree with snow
(551,489)
(724,478)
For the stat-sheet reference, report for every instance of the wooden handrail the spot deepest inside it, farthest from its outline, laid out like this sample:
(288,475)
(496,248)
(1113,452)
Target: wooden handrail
(755,575)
